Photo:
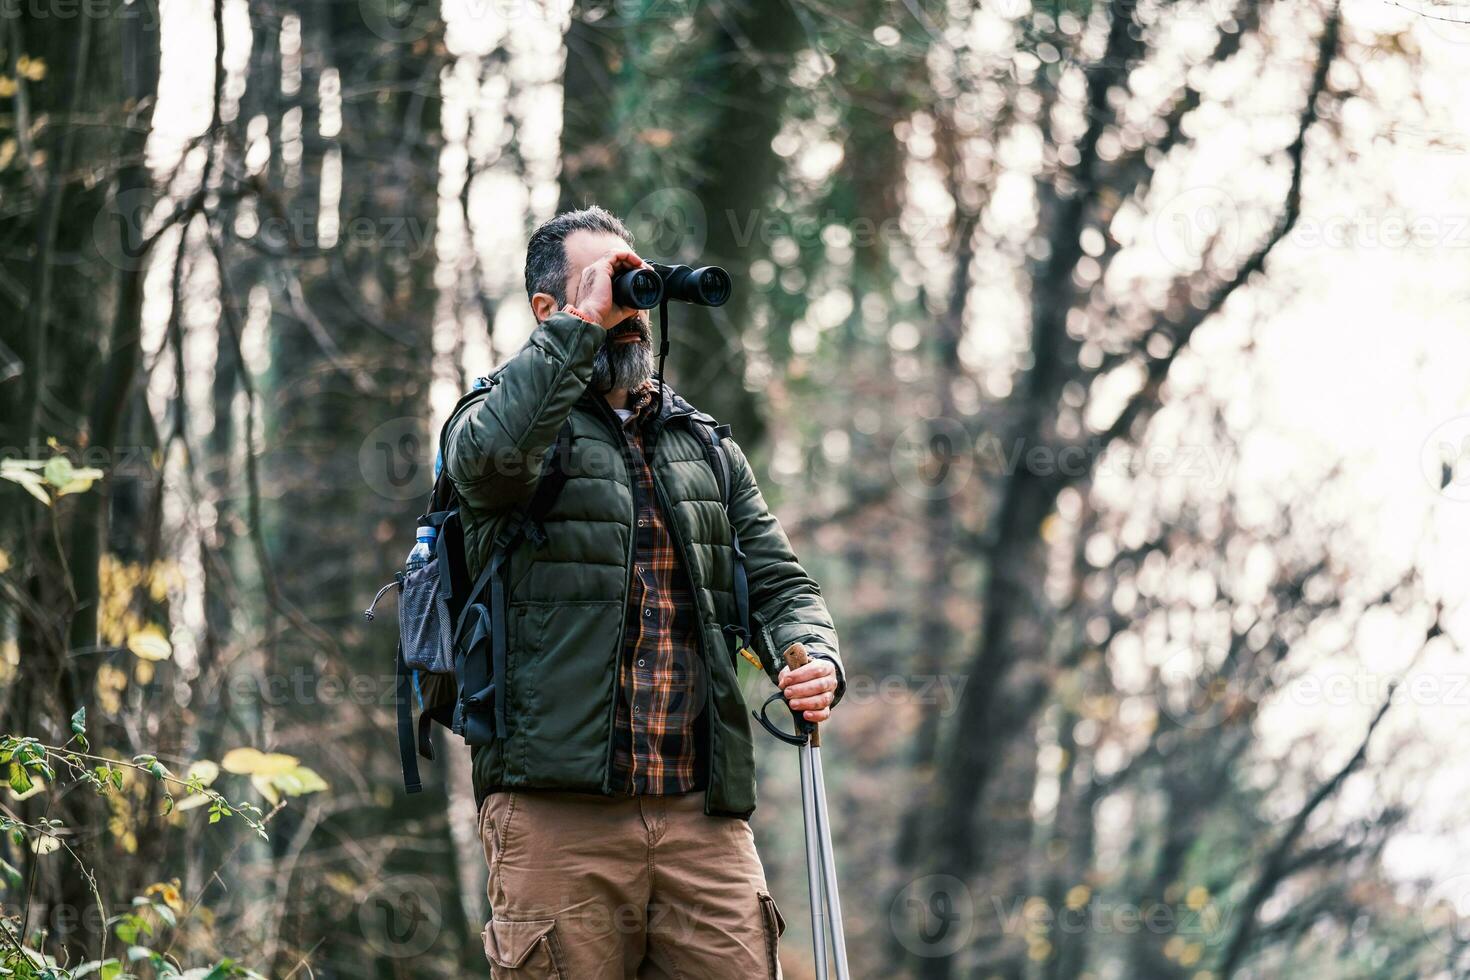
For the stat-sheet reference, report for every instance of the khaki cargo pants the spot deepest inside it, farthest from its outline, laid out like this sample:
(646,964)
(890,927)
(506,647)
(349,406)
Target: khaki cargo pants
(589,887)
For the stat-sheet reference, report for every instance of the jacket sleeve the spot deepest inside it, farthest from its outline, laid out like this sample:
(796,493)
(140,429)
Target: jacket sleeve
(783,598)
(495,448)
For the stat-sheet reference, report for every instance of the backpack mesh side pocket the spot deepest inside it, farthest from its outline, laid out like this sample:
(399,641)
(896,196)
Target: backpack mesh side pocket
(424,623)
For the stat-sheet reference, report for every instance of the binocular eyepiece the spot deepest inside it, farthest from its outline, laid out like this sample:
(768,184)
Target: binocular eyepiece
(640,289)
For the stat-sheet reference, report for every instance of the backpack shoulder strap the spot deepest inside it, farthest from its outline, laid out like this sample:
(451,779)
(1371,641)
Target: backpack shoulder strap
(555,472)
(411,781)
(713,437)
(442,497)
(524,521)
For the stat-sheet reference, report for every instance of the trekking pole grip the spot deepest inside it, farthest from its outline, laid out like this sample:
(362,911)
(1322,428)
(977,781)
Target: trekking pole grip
(796,656)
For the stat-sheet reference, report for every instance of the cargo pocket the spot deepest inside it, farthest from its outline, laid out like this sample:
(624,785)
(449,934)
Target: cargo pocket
(526,950)
(774,926)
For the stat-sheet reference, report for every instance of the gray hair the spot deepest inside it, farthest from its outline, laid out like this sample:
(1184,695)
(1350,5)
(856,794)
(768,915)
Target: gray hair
(546,252)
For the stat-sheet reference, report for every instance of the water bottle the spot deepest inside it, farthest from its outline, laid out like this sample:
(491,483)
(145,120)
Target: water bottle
(423,550)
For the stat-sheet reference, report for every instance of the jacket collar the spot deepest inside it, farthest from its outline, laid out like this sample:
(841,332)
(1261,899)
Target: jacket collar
(674,405)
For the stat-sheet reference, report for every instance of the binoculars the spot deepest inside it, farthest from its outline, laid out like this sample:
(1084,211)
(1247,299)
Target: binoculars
(640,289)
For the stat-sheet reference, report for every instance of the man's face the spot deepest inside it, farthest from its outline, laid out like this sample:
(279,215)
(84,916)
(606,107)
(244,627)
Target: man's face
(625,359)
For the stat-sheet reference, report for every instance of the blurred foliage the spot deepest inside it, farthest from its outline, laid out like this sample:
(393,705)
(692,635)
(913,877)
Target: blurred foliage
(155,921)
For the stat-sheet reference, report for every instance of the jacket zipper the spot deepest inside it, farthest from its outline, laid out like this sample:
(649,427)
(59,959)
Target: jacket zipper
(681,545)
(604,412)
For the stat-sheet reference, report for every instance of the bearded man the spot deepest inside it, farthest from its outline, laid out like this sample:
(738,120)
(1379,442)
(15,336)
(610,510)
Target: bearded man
(614,809)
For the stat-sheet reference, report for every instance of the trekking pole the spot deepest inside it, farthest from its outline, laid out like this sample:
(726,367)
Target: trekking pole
(811,828)
(821,866)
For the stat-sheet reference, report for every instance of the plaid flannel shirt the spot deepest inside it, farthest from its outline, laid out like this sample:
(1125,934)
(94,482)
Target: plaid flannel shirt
(655,748)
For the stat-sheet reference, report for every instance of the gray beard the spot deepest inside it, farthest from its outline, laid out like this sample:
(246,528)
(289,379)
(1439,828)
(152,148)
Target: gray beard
(621,366)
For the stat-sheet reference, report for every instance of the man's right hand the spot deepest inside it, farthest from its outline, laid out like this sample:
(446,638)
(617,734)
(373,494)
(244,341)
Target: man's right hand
(594,299)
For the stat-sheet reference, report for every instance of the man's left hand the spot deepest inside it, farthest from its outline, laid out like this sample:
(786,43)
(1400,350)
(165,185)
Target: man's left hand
(809,688)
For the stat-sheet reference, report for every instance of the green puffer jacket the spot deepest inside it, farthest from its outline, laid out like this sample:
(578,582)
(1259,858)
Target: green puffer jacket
(567,598)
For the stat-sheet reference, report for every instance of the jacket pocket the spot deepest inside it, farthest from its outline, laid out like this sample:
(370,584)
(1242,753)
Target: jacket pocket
(774,926)
(523,950)
(561,689)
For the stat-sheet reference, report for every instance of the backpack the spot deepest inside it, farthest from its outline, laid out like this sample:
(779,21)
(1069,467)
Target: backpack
(452,631)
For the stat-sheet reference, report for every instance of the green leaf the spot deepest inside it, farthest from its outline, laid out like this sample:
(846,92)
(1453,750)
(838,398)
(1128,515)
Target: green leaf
(66,478)
(220,971)
(58,471)
(130,928)
(36,787)
(20,780)
(297,781)
(79,721)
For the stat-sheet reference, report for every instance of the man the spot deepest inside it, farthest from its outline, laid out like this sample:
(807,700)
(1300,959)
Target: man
(614,811)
